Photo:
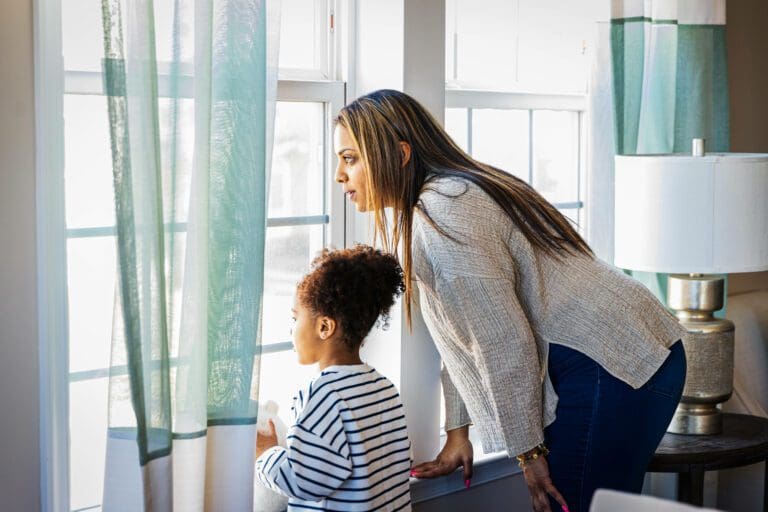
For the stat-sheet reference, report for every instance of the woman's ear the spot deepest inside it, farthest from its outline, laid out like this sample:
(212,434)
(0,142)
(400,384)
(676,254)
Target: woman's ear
(326,327)
(405,150)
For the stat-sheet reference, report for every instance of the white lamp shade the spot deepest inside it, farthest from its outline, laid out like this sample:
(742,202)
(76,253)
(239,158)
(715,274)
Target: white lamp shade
(688,214)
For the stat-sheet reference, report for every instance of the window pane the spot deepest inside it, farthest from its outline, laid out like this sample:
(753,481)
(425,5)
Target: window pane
(442,409)
(297,182)
(535,45)
(556,155)
(573,215)
(302,35)
(91,276)
(88,157)
(88,402)
(164,18)
(289,252)
(474,26)
(176,149)
(280,378)
(82,35)
(176,287)
(87,162)
(500,138)
(456,126)
(554,37)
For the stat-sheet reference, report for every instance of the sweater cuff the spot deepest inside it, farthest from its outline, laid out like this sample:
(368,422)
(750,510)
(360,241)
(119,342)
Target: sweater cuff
(456,414)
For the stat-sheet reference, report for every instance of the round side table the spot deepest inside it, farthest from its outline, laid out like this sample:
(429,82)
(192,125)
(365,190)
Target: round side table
(744,441)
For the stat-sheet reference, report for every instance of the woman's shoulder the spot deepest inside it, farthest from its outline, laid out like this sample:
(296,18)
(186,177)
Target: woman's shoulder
(457,202)
(450,195)
(447,188)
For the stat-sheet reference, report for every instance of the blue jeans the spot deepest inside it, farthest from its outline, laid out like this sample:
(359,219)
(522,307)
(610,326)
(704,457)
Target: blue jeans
(606,432)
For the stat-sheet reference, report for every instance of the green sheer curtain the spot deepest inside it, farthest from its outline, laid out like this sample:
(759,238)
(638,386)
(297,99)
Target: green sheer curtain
(669,78)
(191,107)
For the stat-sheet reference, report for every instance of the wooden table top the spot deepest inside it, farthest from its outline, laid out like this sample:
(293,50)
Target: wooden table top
(744,441)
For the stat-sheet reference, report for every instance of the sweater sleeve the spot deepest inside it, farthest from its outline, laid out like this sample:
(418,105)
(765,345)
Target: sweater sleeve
(486,313)
(317,458)
(456,414)
(472,274)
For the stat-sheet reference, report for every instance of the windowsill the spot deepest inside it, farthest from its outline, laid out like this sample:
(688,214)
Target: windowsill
(487,468)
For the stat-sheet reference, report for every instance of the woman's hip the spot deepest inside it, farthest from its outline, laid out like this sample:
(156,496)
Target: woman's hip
(605,431)
(579,380)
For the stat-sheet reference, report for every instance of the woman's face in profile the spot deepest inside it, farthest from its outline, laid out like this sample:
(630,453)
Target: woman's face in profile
(350,172)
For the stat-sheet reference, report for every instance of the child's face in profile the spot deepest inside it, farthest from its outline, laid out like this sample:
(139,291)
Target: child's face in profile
(318,339)
(306,341)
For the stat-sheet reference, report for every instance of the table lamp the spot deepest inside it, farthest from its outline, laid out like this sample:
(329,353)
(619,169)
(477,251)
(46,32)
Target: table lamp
(696,217)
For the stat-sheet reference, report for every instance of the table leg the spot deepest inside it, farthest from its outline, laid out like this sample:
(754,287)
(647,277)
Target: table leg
(690,486)
(765,486)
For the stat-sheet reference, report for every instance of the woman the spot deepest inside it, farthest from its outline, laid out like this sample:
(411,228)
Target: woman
(566,363)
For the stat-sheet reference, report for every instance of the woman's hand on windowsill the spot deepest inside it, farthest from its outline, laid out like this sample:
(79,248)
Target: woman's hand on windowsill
(456,452)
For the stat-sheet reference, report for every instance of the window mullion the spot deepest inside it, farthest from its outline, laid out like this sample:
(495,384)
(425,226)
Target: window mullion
(579,162)
(474,98)
(92,83)
(530,147)
(470,113)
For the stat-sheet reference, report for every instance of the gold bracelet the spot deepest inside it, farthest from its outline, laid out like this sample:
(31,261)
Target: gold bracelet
(532,454)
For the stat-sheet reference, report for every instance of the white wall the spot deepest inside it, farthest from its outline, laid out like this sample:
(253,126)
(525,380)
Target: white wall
(740,489)
(747,42)
(19,388)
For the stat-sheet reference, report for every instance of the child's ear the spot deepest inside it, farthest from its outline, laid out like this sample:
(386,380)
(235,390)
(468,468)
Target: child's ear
(326,327)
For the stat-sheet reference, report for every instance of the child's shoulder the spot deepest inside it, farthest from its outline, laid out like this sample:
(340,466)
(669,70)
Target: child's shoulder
(339,379)
(332,381)
(335,378)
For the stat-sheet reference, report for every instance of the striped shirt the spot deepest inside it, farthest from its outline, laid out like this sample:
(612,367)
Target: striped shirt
(348,448)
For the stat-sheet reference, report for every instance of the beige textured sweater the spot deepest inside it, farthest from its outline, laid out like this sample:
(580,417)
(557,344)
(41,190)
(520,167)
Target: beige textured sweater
(493,303)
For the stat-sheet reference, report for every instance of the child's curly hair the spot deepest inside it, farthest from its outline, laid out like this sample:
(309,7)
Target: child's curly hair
(354,287)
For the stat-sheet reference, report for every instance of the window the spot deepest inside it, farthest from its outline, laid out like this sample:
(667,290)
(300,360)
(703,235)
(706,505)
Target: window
(521,107)
(538,46)
(306,212)
(537,138)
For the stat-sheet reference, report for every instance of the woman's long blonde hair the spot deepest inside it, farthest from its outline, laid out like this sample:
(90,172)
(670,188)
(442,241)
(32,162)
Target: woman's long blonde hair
(378,122)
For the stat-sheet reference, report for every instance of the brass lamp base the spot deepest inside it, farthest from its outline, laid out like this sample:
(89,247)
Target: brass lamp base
(708,350)
(701,419)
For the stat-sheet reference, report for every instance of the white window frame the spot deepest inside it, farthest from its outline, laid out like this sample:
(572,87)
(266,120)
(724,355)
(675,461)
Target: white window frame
(330,93)
(493,466)
(52,258)
(333,95)
(471,99)
(52,82)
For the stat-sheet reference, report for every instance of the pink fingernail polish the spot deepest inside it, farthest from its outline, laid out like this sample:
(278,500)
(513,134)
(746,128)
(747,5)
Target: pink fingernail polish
(467,483)
(413,473)
(565,509)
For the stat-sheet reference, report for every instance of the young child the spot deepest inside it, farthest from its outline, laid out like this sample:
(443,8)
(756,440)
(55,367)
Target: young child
(348,448)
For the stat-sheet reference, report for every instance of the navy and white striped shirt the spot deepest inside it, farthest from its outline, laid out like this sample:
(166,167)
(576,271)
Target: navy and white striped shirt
(348,449)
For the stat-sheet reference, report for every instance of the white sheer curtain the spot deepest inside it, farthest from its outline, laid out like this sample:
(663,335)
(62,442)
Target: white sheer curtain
(191,141)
